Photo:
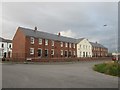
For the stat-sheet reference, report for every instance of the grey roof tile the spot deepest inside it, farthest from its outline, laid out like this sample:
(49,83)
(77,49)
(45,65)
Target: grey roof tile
(40,34)
(97,45)
(5,40)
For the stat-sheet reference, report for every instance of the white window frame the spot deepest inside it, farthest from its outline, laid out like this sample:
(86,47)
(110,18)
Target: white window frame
(32,52)
(61,52)
(61,44)
(52,43)
(70,45)
(51,51)
(32,40)
(73,45)
(41,50)
(66,44)
(46,41)
(40,41)
(47,52)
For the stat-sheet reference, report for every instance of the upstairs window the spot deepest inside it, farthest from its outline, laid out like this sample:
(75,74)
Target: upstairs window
(31,51)
(52,43)
(70,45)
(66,44)
(46,42)
(10,46)
(2,45)
(61,43)
(73,45)
(40,41)
(32,40)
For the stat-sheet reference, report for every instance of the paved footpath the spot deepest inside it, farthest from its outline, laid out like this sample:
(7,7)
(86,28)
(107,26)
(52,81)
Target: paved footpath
(67,75)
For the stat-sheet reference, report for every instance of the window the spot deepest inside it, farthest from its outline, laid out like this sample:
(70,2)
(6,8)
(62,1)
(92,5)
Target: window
(74,53)
(70,45)
(61,44)
(80,46)
(40,41)
(2,45)
(32,40)
(52,43)
(10,46)
(39,52)
(66,44)
(73,45)
(84,46)
(52,51)
(66,53)
(70,53)
(31,51)
(46,42)
(46,52)
(61,52)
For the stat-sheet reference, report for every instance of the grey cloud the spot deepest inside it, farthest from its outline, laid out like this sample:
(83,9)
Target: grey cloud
(84,19)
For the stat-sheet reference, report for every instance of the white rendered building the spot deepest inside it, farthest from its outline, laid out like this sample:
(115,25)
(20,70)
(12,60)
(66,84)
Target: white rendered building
(84,48)
(5,48)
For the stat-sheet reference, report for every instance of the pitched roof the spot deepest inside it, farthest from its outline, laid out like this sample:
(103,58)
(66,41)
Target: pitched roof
(5,40)
(40,34)
(97,45)
(79,40)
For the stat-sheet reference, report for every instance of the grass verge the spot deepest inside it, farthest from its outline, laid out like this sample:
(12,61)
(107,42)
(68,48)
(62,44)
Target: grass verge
(109,68)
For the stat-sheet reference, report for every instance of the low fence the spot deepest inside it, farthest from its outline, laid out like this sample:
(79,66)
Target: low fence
(57,59)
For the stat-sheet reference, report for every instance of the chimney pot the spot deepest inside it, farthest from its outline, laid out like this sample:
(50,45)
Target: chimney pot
(59,34)
(35,29)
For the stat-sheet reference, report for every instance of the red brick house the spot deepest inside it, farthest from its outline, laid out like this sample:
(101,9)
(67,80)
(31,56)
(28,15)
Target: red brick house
(98,50)
(33,44)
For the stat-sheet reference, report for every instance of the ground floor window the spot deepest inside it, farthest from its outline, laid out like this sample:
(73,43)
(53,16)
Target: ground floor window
(39,52)
(66,53)
(46,52)
(70,53)
(31,51)
(52,51)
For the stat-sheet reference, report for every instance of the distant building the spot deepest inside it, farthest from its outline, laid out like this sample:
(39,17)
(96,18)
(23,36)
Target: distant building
(29,44)
(98,50)
(5,48)
(84,48)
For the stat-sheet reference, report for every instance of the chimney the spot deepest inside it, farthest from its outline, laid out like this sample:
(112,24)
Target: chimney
(35,29)
(59,34)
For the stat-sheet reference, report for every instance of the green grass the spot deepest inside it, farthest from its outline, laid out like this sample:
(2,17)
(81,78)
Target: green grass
(111,68)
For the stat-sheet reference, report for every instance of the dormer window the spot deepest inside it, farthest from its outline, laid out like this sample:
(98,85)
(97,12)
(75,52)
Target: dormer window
(32,40)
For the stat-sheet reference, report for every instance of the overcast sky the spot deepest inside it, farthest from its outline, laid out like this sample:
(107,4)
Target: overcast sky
(78,19)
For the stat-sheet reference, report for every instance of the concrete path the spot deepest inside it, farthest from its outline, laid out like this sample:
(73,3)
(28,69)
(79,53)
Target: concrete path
(68,75)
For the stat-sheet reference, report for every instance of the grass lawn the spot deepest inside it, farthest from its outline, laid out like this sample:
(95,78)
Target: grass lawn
(110,68)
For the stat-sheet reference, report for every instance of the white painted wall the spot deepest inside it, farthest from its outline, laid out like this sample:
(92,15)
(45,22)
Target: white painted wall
(84,49)
(6,49)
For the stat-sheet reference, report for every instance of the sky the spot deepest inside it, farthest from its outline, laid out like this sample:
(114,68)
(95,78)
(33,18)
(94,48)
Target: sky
(71,19)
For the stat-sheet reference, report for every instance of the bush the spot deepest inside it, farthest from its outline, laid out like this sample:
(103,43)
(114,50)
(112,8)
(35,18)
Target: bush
(108,68)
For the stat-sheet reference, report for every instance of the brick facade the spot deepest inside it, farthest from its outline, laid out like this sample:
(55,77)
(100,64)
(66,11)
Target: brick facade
(22,45)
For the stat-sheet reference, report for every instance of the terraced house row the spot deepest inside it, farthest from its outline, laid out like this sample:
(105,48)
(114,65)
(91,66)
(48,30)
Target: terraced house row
(33,44)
